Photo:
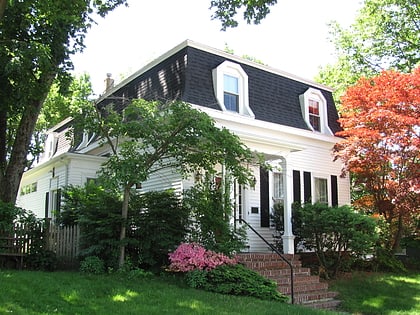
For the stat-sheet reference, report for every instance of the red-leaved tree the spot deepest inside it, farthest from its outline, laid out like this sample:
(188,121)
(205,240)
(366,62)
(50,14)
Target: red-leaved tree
(381,146)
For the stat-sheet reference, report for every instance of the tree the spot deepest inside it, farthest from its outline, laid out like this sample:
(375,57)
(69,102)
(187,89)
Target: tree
(385,35)
(146,137)
(226,10)
(380,118)
(37,39)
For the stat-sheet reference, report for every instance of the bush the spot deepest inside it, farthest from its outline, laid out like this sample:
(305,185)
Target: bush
(98,213)
(210,210)
(334,233)
(188,257)
(44,260)
(92,265)
(235,280)
(157,224)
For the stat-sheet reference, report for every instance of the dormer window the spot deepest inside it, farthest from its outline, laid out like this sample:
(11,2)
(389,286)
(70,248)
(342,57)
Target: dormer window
(314,111)
(231,92)
(230,83)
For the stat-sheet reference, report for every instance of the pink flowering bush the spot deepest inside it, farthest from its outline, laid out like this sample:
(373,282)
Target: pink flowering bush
(192,256)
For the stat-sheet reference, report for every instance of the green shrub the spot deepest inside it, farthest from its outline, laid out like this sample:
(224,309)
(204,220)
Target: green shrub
(336,234)
(98,213)
(158,223)
(44,260)
(235,280)
(211,212)
(92,265)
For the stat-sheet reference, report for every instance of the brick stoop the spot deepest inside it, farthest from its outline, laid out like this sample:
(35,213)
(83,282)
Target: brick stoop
(308,289)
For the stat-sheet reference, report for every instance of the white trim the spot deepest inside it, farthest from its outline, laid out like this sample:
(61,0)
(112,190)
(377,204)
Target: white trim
(236,71)
(316,95)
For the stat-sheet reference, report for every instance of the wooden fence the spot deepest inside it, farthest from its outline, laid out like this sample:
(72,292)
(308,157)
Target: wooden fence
(62,240)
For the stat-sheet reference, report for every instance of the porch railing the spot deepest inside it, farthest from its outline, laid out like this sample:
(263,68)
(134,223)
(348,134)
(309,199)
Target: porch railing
(274,249)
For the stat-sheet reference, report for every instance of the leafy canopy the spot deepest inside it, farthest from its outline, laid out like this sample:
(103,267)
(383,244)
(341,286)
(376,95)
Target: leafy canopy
(385,35)
(380,118)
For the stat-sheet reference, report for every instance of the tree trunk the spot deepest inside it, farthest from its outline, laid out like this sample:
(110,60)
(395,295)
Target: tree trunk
(3,5)
(124,215)
(397,239)
(12,168)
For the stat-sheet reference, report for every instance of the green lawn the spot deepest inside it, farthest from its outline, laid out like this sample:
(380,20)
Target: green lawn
(384,294)
(35,293)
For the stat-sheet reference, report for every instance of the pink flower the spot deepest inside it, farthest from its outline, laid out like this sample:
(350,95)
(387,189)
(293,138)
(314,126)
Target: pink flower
(192,256)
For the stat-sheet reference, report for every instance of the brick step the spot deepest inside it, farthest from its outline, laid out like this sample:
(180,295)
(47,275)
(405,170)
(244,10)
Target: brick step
(308,290)
(300,271)
(303,287)
(284,280)
(265,256)
(327,304)
(264,265)
(316,296)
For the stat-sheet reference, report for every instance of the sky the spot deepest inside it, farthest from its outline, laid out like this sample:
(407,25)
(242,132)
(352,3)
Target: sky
(294,37)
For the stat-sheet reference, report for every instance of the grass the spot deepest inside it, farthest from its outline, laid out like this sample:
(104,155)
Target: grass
(36,293)
(385,294)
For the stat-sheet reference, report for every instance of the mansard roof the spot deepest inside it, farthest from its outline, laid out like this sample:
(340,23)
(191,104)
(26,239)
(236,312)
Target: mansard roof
(185,73)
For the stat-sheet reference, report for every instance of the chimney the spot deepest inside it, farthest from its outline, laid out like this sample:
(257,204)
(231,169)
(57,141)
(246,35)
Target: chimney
(109,82)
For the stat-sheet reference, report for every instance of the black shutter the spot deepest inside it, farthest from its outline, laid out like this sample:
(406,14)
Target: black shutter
(334,191)
(307,193)
(296,186)
(264,198)
(47,199)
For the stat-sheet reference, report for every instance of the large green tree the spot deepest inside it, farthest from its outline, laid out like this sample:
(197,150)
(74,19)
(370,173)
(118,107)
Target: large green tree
(385,35)
(147,137)
(37,38)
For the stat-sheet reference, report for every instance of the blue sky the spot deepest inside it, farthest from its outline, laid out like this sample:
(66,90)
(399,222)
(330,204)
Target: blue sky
(294,37)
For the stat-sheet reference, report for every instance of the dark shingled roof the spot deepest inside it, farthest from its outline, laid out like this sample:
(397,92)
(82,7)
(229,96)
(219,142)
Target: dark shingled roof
(187,75)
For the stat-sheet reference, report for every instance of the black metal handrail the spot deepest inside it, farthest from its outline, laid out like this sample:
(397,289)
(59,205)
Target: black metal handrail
(292,293)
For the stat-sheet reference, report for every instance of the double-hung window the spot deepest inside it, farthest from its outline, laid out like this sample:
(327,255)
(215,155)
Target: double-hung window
(314,118)
(321,190)
(231,92)
(230,83)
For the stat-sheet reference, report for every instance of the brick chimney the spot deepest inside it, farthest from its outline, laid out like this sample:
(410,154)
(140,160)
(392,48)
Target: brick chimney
(109,82)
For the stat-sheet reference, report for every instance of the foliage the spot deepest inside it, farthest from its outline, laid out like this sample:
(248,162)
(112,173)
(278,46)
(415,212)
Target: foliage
(333,232)
(211,212)
(235,280)
(37,39)
(380,118)
(277,218)
(42,259)
(92,265)
(385,260)
(157,223)
(192,256)
(383,36)
(254,11)
(96,210)
(146,137)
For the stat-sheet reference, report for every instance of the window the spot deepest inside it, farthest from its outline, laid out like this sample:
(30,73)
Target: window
(314,118)
(231,93)
(278,190)
(321,190)
(314,111)
(230,84)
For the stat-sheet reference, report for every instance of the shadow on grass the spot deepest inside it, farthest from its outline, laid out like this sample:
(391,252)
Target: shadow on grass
(383,294)
(36,293)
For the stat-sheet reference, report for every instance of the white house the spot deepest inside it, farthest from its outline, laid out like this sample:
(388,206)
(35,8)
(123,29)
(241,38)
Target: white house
(290,120)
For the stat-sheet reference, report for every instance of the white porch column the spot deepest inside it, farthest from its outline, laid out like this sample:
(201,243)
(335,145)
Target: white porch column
(288,237)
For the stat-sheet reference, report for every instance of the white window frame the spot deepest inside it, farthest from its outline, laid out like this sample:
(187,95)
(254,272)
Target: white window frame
(234,70)
(315,95)
(315,190)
